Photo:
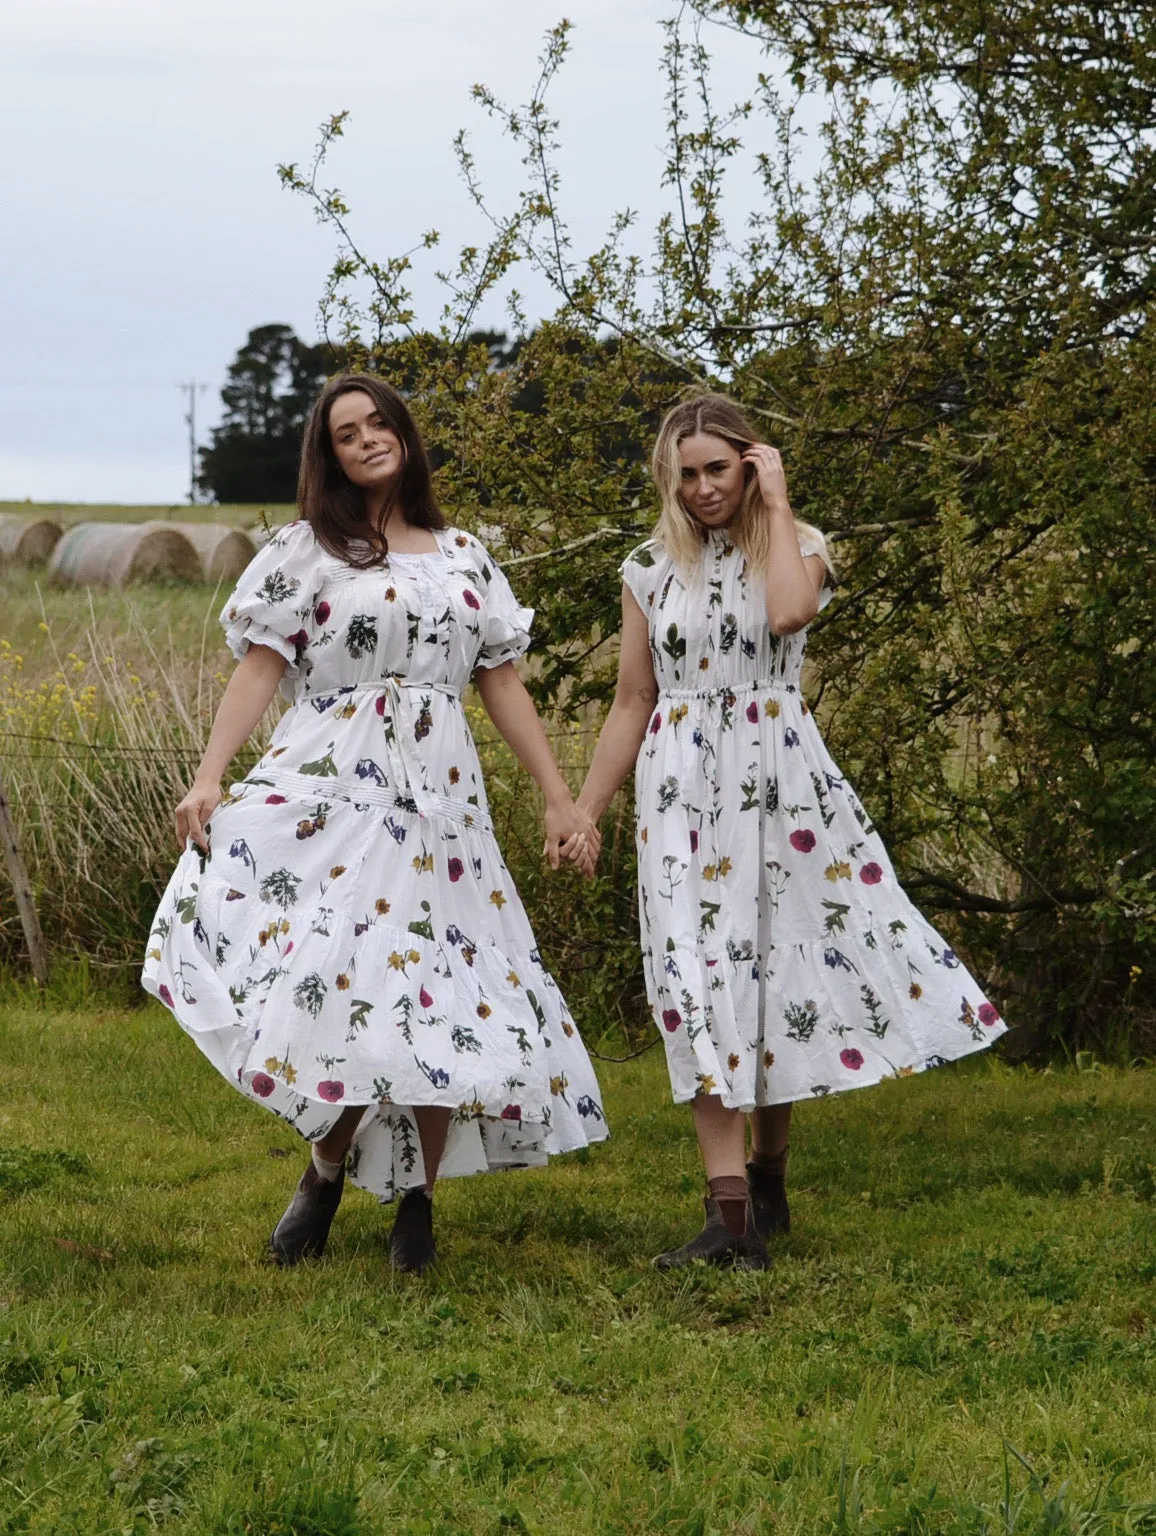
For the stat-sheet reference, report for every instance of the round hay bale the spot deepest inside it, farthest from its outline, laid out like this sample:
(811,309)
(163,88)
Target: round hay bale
(111,554)
(224,552)
(27,540)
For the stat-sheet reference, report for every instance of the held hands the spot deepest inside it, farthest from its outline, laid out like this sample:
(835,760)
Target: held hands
(194,811)
(772,480)
(571,835)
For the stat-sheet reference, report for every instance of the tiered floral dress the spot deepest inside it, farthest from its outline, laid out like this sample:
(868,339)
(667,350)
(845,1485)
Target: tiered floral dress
(353,936)
(782,959)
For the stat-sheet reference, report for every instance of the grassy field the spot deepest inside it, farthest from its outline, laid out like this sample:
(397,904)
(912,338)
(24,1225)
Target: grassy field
(958,1335)
(67,513)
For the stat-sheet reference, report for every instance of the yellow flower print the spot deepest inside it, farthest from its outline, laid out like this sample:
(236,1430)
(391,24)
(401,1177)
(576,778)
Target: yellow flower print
(153,954)
(342,982)
(703,663)
(347,713)
(461,541)
(677,714)
(710,871)
(839,871)
(273,1064)
(768,1059)
(263,937)
(906,1071)
(338,869)
(514,979)
(289,1073)
(915,991)
(498,899)
(644,835)
(771,709)
(381,906)
(412,956)
(567,1028)
(283,925)
(396,961)
(558,1085)
(483,1010)
(390,594)
(706,1083)
(455,775)
(733,1062)
(423,863)
(724,868)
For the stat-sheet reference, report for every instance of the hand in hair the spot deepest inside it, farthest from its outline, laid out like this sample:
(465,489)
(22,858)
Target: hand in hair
(768,465)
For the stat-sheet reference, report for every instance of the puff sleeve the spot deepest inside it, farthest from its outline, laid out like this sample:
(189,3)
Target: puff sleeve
(812,542)
(273,601)
(505,624)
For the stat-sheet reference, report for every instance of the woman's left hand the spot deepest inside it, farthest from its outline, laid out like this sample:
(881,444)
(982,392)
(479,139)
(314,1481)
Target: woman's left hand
(772,479)
(571,834)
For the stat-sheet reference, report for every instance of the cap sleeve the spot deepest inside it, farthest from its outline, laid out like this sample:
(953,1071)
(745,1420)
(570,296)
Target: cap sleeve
(639,572)
(274,598)
(504,624)
(812,542)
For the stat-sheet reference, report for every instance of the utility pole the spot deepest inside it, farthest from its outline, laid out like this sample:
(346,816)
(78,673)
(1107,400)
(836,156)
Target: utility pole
(190,392)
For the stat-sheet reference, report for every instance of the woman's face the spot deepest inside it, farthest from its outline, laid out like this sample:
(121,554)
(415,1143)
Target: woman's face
(713,479)
(368,451)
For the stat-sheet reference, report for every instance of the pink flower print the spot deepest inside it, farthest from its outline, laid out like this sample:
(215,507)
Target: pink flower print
(851,1058)
(380,704)
(753,713)
(289,947)
(425,999)
(274,799)
(871,874)
(331,1090)
(472,602)
(803,840)
(300,640)
(321,612)
(988,1015)
(456,869)
(512,1112)
(671,1019)
(166,996)
(656,724)
(693,840)
(262,1084)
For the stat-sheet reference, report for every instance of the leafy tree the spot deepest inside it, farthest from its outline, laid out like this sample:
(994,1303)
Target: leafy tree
(253,454)
(939,303)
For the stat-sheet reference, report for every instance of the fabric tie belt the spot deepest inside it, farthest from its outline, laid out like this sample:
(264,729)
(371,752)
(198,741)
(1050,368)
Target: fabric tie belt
(402,728)
(776,685)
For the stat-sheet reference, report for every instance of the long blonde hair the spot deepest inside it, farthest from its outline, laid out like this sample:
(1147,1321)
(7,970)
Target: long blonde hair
(679,533)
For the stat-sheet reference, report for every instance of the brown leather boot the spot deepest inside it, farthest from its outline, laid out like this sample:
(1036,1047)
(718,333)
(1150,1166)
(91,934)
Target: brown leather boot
(768,1188)
(303,1230)
(717,1244)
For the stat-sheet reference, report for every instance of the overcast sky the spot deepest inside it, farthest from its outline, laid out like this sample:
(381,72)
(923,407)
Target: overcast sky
(144,228)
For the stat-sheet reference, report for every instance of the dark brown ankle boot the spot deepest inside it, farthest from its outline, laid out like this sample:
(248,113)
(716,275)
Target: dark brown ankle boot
(412,1245)
(717,1244)
(303,1230)
(767,1177)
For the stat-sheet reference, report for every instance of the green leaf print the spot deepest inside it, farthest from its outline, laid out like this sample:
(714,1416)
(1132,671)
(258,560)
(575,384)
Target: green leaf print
(280,887)
(277,586)
(322,767)
(309,994)
(750,800)
(538,1013)
(187,907)
(802,1019)
(710,910)
(643,557)
(359,1011)
(361,636)
(464,1039)
(674,645)
(836,912)
(422,926)
(878,1025)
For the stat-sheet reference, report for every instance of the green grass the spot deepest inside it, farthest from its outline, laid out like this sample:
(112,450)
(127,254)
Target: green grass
(957,1336)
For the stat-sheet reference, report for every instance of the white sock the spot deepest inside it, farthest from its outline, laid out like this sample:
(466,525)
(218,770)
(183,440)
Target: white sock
(327,1170)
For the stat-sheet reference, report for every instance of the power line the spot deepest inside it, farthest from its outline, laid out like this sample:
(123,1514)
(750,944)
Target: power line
(190,391)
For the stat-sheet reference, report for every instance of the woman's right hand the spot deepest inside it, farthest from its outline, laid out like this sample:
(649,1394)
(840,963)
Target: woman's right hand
(194,811)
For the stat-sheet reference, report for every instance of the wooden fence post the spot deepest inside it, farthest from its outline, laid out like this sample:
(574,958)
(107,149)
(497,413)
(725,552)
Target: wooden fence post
(22,888)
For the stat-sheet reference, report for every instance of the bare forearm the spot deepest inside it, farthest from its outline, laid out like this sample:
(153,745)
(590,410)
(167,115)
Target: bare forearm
(248,695)
(512,710)
(792,601)
(615,754)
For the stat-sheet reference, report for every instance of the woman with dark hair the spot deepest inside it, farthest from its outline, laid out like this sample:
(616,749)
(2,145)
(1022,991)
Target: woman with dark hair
(782,959)
(342,939)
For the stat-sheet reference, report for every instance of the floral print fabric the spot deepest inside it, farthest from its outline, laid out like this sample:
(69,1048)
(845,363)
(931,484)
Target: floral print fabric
(782,959)
(353,936)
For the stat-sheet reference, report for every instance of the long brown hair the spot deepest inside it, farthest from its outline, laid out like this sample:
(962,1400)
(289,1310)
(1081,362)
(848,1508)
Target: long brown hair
(680,534)
(335,507)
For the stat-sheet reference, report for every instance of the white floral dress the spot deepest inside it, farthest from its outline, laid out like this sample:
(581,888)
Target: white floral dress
(782,959)
(353,936)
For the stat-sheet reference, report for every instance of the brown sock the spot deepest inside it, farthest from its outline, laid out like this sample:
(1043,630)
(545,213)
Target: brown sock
(772,1162)
(732,1195)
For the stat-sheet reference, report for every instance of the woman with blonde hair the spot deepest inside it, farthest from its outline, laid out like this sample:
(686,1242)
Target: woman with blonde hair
(782,960)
